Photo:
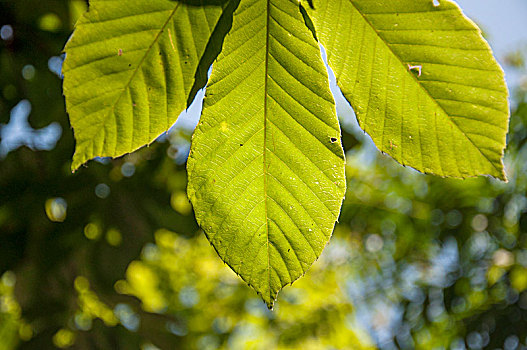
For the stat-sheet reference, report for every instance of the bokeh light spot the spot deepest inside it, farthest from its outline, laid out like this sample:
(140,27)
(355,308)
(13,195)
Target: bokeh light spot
(25,332)
(114,237)
(92,231)
(128,169)
(454,218)
(480,222)
(374,243)
(82,321)
(149,346)
(55,65)
(177,328)
(81,284)
(511,343)
(9,279)
(6,32)
(129,319)
(437,217)
(180,203)
(503,258)
(102,191)
(56,209)
(188,296)
(28,72)
(50,22)
(64,338)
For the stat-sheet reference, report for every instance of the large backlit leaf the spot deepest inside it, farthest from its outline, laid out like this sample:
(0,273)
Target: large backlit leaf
(132,66)
(422,81)
(266,169)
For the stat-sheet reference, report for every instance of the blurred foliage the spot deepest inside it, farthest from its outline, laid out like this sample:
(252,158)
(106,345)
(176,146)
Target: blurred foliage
(111,257)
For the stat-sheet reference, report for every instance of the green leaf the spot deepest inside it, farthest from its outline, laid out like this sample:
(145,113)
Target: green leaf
(132,67)
(422,81)
(266,168)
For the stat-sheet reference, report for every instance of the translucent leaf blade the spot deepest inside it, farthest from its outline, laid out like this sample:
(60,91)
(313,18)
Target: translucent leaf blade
(422,81)
(266,168)
(130,68)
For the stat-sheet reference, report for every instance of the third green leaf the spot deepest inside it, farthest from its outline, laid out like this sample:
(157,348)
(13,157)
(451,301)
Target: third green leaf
(422,81)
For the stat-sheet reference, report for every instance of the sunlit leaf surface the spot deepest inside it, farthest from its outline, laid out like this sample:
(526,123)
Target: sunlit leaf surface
(129,70)
(422,81)
(266,169)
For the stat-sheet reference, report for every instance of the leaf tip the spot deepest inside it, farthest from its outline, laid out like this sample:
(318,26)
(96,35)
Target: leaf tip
(79,159)
(268,296)
(503,175)
(499,172)
(273,295)
(75,164)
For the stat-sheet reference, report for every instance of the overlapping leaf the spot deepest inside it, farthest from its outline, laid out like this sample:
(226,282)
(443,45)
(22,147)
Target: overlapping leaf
(422,81)
(266,169)
(130,69)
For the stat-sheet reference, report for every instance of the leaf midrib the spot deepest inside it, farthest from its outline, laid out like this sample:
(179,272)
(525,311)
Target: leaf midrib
(267,38)
(424,88)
